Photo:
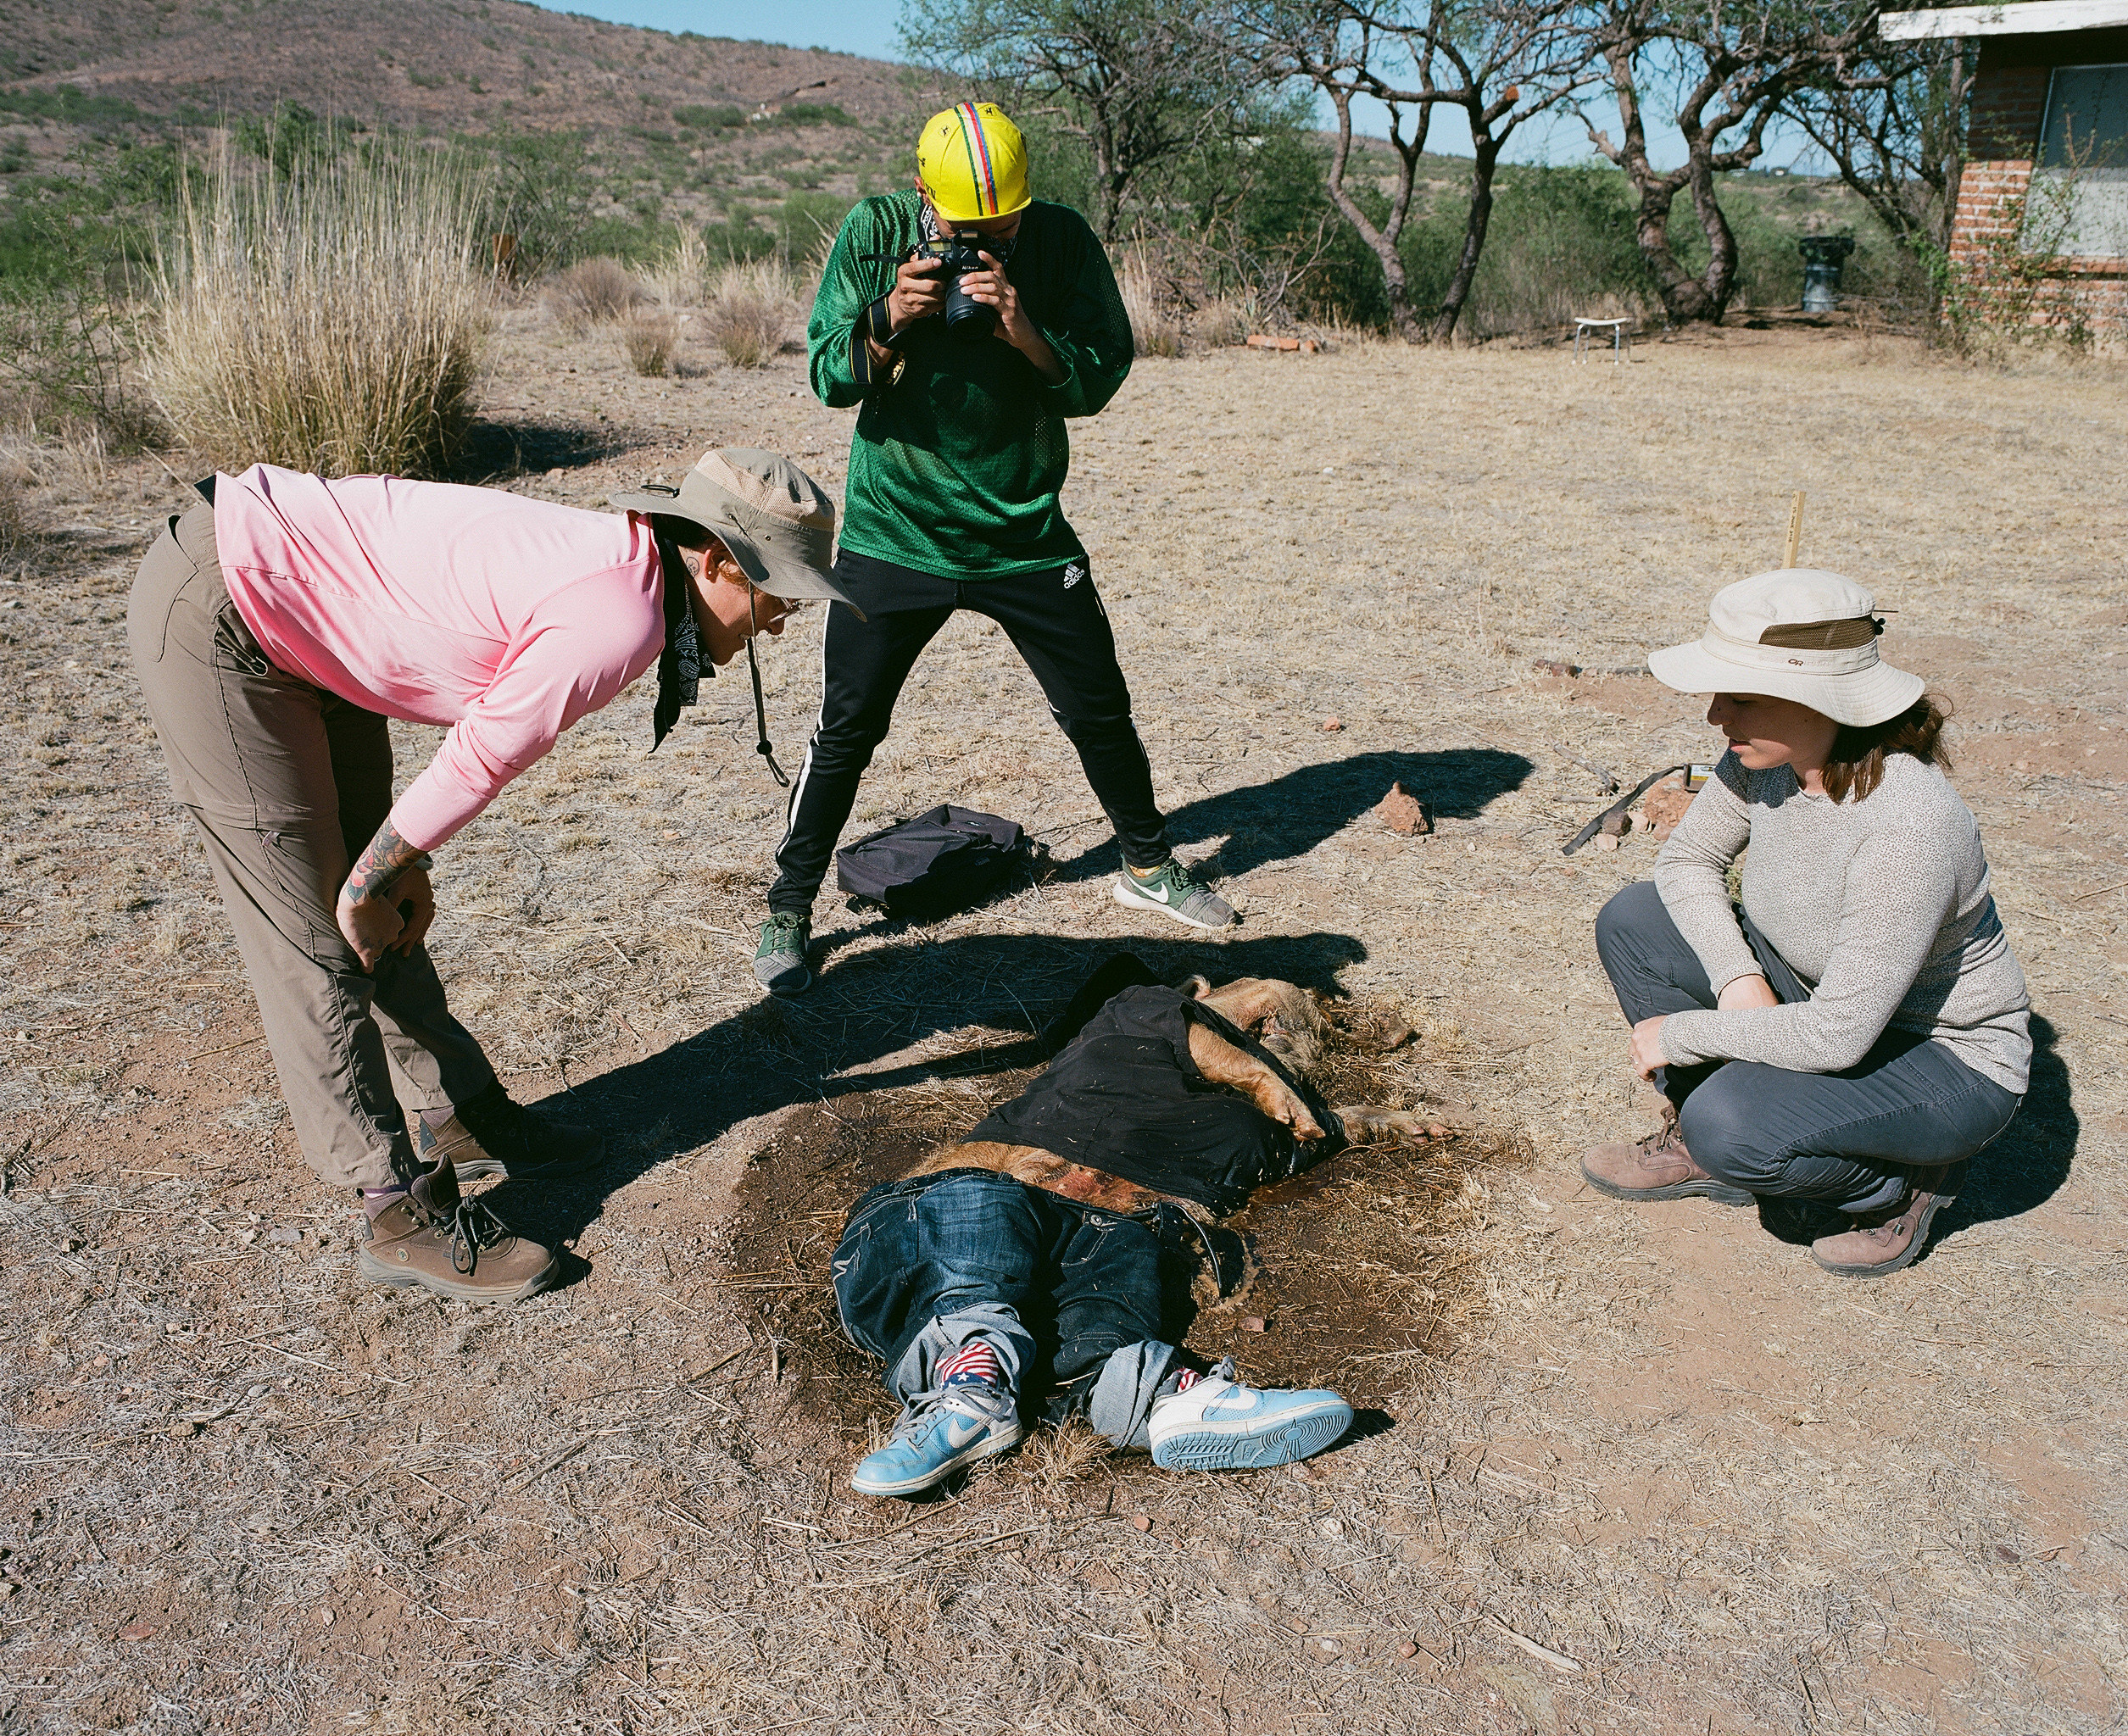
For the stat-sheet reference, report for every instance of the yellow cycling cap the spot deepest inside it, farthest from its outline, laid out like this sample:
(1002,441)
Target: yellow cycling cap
(974,163)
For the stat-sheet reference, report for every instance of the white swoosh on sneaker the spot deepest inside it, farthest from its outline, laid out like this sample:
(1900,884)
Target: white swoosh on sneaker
(961,1430)
(1144,891)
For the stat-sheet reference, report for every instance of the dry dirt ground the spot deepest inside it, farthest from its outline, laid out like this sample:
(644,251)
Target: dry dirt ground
(1632,1469)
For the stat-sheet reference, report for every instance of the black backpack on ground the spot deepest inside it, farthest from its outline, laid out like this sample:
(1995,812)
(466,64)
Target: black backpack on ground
(936,863)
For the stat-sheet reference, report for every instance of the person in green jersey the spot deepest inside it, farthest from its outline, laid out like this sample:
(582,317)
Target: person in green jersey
(963,382)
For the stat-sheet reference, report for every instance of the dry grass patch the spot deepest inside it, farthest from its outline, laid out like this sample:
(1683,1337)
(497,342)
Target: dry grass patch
(650,336)
(1155,329)
(329,318)
(1670,1448)
(14,521)
(675,280)
(592,293)
(753,311)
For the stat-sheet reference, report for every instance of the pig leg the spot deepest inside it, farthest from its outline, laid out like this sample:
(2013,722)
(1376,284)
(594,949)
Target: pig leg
(1223,1064)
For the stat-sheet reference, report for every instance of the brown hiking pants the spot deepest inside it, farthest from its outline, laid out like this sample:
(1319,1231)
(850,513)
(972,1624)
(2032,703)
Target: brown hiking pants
(289,783)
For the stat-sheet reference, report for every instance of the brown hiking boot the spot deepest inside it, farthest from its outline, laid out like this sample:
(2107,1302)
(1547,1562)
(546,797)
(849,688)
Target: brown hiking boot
(1872,1250)
(492,1137)
(432,1237)
(1657,1167)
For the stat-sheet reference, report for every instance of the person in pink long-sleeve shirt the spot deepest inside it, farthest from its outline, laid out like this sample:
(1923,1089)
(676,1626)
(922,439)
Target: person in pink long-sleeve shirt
(278,628)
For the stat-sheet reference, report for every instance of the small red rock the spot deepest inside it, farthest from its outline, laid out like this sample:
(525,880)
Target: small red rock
(1298,1624)
(1142,1522)
(1605,841)
(1332,723)
(1251,1323)
(1402,812)
(1407,1651)
(139,1630)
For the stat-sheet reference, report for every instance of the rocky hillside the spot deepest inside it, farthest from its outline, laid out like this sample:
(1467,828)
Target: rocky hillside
(425,63)
(679,128)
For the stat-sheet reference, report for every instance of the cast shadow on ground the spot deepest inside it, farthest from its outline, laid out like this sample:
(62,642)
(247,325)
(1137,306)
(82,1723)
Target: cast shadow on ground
(2027,1165)
(496,453)
(777,1053)
(1293,813)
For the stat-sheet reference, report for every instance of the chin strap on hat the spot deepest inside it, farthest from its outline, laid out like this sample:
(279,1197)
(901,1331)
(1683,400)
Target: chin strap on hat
(761,712)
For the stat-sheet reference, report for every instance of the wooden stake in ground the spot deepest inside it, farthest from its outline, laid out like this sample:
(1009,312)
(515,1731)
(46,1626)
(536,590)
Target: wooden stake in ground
(1795,530)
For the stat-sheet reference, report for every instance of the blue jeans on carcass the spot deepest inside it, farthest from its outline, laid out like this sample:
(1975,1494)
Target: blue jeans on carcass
(1071,1297)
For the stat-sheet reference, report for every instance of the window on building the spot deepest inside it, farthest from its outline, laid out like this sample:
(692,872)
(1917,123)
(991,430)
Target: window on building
(2079,201)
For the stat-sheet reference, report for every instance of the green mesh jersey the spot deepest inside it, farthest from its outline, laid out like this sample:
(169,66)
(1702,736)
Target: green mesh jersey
(956,466)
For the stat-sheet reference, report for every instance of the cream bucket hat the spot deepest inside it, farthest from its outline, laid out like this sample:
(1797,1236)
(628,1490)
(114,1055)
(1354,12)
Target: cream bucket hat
(1795,634)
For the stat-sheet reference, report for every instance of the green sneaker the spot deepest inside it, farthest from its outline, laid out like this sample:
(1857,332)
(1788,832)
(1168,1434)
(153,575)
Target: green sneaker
(1174,891)
(779,961)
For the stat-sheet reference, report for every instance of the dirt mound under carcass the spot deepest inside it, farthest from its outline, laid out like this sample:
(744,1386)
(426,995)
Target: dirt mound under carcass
(1358,1275)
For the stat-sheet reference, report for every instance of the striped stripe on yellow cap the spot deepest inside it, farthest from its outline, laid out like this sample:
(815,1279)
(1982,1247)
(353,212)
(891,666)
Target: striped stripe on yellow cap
(974,163)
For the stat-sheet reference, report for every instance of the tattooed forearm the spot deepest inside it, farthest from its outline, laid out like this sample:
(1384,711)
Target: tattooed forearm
(388,856)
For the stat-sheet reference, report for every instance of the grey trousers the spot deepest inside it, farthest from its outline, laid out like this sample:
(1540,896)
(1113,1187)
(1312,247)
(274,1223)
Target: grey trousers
(288,784)
(1848,1139)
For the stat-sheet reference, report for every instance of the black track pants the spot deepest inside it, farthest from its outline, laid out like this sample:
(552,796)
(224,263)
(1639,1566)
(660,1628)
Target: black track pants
(1056,623)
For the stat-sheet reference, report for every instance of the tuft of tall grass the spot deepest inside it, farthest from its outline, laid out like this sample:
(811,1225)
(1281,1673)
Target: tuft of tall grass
(650,336)
(676,277)
(1221,323)
(1155,325)
(753,309)
(595,292)
(14,521)
(328,317)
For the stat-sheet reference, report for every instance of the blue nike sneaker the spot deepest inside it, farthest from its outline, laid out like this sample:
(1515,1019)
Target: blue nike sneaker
(953,1427)
(1217,1423)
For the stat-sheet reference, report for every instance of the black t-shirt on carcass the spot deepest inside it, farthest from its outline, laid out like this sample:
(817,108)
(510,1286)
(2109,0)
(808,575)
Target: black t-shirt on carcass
(1126,1098)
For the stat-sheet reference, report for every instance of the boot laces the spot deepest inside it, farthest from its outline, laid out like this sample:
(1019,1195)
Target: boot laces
(473,1227)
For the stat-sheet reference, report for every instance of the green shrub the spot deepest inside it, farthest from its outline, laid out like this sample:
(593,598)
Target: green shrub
(69,104)
(721,117)
(810,114)
(1560,243)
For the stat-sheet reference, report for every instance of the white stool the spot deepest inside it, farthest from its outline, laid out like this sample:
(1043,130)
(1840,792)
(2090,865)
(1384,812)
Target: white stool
(1619,342)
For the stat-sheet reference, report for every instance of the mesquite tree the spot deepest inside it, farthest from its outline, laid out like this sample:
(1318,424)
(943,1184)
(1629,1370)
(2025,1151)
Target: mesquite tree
(1500,62)
(1892,121)
(1139,82)
(1725,69)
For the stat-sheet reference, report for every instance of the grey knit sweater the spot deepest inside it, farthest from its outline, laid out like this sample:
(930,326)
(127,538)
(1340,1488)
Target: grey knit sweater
(1881,906)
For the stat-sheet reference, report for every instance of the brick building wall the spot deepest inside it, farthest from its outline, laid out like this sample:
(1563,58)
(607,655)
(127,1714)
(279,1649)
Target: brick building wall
(2008,108)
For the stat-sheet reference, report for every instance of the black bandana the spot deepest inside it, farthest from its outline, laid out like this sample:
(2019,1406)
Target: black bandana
(680,666)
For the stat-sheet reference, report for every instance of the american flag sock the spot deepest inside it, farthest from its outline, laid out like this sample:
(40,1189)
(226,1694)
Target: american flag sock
(974,1362)
(1178,1382)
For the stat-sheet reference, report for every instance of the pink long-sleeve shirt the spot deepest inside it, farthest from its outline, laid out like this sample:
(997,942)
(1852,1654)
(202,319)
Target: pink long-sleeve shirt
(503,618)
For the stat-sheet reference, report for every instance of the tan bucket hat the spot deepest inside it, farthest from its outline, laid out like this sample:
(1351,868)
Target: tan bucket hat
(773,517)
(1795,634)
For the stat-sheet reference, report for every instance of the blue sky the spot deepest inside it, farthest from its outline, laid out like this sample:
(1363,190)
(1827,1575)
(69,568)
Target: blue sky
(854,29)
(868,28)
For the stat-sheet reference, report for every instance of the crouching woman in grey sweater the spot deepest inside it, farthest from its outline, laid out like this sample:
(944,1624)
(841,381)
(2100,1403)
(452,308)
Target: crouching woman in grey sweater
(1843,1043)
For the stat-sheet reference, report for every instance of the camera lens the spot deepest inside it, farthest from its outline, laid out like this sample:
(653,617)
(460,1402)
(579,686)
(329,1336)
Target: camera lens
(966,317)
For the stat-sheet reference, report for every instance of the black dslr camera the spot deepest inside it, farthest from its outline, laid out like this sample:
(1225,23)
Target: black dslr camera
(961,252)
